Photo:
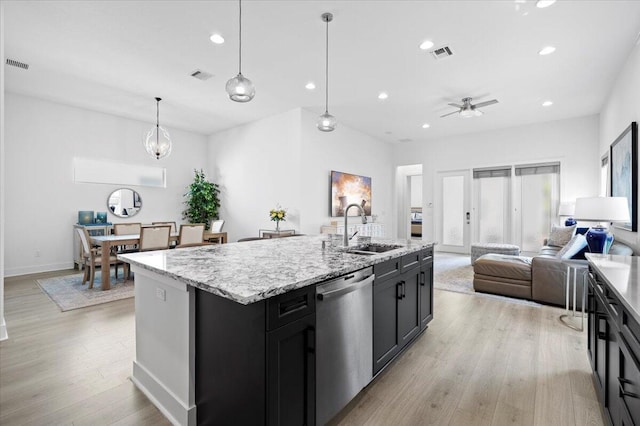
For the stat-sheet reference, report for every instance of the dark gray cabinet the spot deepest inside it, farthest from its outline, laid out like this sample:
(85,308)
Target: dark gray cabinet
(614,352)
(291,373)
(402,304)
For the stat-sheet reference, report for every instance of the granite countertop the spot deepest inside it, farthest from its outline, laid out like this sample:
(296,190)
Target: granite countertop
(622,274)
(251,271)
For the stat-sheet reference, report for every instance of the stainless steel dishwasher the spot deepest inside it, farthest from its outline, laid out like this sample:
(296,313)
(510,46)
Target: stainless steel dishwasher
(344,341)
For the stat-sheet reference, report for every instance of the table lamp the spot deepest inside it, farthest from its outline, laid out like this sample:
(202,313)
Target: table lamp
(602,210)
(567,210)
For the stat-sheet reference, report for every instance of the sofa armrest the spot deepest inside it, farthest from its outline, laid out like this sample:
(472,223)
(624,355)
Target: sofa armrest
(548,277)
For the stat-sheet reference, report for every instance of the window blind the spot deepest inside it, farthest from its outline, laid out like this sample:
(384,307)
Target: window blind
(537,169)
(492,172)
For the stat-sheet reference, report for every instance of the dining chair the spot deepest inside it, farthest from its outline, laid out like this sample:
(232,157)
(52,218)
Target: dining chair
(155,237)
(130,228)
(173,225)
(192,233)
(92,257)
(216,225)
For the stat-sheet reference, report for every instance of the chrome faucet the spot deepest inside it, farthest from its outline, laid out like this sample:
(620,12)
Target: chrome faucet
(364,220)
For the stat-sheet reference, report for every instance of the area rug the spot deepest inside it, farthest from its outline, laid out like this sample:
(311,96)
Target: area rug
(453,272)
(68,292)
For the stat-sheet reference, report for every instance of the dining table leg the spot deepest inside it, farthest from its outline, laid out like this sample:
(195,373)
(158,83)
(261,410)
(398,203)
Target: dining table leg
(105,266)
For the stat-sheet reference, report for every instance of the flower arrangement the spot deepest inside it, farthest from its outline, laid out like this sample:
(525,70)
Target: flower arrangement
(278,215)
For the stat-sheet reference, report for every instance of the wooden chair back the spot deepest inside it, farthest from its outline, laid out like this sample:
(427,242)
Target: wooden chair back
(84,239)
(127,228)
(192,233)
(216,225)
(155,237)
(174,228)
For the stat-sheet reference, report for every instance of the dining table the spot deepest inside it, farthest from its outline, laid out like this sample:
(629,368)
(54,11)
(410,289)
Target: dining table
(107,241)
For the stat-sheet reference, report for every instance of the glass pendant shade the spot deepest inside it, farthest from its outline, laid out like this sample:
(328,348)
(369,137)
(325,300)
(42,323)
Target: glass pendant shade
(157,142)
(240,89)
(326,122)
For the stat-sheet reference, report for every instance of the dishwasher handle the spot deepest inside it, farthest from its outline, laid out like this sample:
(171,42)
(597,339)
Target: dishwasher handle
(323,295)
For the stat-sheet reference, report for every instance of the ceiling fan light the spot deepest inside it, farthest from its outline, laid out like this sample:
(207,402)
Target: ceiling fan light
(467,113)
(541,4)
(240,89)
(326,122)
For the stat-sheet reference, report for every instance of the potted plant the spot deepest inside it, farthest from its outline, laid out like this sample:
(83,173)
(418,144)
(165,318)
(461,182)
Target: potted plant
(202,200)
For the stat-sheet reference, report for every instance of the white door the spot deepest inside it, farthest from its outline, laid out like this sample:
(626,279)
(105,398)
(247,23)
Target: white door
(454,213)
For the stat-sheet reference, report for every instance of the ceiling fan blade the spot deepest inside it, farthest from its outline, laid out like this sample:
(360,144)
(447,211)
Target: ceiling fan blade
(451,113)
(486,103)
(455,105)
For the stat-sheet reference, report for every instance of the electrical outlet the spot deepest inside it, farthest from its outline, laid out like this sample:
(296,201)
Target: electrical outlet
(161,294)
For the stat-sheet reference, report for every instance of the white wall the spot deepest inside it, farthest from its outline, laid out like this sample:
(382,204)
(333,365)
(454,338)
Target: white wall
(344,150)
(41,199)
(621,108)
(284,159)
(416,191)
(573,142)
(3,324)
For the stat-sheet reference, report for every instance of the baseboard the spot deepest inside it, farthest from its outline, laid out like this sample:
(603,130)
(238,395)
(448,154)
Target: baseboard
(14,272)
(168,404)
(3,329)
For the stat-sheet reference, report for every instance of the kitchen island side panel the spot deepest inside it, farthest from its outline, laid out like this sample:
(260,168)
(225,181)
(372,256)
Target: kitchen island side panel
(230,361)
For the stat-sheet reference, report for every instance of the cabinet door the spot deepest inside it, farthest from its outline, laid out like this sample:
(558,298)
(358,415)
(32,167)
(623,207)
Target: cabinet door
(291,369)
(426,292)
(386,295)
(591,325)
(612,374)
(629,382)
(600,349)
(409,307)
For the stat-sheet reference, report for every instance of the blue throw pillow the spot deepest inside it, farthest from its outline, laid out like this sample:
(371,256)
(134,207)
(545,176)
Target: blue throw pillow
(573,247)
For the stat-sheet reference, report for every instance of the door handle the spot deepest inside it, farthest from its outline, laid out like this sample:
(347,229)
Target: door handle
(422,278)
(404,289)
(622,382)
(468,214)
(399,290)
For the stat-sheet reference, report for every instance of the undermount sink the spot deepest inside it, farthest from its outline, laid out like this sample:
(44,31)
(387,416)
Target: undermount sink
(370,249)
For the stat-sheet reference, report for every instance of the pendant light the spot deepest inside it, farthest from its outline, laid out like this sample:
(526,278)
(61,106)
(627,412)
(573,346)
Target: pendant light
(326,122)
(157,141)
(239,88)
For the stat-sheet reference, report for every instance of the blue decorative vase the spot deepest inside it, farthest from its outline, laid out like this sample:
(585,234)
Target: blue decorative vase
(599,240)
(570,222)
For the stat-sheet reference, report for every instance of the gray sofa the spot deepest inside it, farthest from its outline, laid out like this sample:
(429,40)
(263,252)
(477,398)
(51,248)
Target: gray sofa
(541,278)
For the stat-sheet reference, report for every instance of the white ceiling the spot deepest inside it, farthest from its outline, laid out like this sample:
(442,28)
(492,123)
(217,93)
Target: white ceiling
(116,56)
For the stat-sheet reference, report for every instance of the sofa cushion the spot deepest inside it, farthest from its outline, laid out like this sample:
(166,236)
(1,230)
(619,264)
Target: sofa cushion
(505,266)
(573,247)
(560,235)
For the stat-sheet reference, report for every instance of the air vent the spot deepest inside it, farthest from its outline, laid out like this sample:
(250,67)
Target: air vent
(17,64)
(201,75)
(441,52)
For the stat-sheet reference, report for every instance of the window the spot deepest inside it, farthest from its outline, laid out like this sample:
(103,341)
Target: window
(492,201)
(537,190)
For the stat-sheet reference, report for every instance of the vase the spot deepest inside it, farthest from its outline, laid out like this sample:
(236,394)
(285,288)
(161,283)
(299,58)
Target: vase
(278,225)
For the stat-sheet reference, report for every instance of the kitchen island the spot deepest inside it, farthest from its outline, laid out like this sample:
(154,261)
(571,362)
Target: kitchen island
(225,334)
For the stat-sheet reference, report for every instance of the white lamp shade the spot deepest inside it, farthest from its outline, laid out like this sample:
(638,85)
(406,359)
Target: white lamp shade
(567,209)
(602,209)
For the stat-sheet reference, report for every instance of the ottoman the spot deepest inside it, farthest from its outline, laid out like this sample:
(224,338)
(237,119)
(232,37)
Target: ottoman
(503,274)
(479,249)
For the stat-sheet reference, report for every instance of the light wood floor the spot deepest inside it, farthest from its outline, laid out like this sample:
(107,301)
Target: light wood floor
(482,361)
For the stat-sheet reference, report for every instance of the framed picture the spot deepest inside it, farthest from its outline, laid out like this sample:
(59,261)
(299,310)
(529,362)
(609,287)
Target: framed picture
(623,163)
(137,202)
(348,189)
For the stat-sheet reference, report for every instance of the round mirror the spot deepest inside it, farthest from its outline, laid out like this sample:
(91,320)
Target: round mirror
(124,202)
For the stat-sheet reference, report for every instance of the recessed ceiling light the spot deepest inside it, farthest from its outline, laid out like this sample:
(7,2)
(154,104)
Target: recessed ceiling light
(426,126)
(547,103)
(217,39)
(544,3)
(310,85)
(427,44)
(383,95)
(547,50)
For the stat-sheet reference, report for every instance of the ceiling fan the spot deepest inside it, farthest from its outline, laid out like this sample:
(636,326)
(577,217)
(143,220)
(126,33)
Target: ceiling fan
(467,109)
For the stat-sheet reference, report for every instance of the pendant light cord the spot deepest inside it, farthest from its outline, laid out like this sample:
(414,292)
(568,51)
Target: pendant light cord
(157,123)
(240,37)
(326,88)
